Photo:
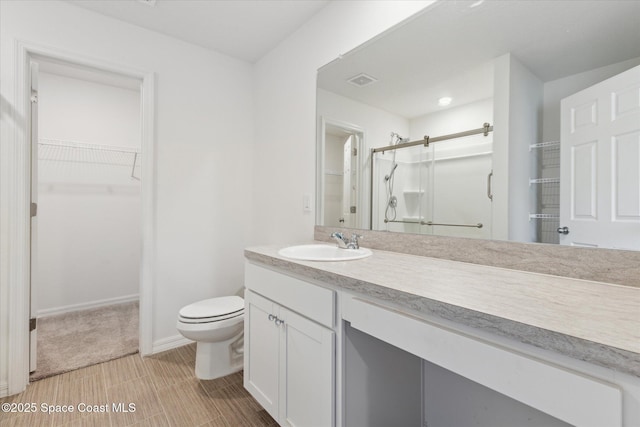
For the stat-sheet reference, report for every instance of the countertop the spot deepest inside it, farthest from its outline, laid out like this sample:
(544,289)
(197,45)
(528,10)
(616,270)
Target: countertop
(586,320)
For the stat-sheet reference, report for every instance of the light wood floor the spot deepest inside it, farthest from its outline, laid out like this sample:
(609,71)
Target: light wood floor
(162,387)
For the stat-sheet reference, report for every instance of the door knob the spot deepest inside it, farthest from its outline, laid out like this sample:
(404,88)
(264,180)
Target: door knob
(563,230)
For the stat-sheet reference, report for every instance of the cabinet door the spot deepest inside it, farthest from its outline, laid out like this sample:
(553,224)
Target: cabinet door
(306,372)
(262,338)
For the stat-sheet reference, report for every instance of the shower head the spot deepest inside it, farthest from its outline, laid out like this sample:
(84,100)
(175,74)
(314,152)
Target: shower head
(398,139)
(388,177)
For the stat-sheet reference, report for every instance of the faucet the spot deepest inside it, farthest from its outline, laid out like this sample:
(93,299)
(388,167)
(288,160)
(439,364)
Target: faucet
(345,243)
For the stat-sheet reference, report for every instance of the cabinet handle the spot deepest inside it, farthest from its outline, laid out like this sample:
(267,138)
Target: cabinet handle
(279,322)
(489,189)
(272,317)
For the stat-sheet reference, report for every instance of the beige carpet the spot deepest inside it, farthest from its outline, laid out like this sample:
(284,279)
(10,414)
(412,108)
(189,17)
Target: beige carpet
(82,338)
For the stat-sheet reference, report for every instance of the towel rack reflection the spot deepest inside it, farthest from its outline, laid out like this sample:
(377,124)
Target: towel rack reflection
(431,223)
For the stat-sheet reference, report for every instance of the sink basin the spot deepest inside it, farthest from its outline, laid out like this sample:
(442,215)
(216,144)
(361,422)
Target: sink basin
(321,252)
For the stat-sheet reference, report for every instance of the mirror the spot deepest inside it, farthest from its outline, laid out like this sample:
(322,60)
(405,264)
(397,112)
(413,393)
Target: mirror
(505,64)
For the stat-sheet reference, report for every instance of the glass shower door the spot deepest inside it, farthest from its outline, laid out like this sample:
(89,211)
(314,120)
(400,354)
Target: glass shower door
(460,170)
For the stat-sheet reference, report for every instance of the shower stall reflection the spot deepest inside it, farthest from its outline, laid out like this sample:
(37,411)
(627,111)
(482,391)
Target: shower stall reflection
(439,189)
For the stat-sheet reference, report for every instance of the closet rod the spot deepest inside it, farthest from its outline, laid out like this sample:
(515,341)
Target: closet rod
(485,129)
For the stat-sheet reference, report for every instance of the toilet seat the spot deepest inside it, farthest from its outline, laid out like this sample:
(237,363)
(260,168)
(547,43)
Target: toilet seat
(216,325)
(212,310)
(210,319)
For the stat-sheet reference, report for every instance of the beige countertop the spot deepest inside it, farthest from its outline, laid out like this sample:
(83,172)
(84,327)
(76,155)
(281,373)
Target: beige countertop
(592,321)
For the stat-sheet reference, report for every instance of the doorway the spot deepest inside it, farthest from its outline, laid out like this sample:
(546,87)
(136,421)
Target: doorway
(85,239)
(17,172)
(339,198)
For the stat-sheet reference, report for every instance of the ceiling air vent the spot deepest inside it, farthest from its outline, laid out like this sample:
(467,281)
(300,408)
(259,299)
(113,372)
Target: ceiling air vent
(362,79)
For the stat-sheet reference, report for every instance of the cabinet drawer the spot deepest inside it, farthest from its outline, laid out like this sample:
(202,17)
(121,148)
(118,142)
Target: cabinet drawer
(312,301)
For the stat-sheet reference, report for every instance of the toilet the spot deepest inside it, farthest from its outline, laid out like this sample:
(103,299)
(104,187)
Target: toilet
(217,326)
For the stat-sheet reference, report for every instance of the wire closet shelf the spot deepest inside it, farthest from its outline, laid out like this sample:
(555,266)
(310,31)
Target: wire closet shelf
(57,150)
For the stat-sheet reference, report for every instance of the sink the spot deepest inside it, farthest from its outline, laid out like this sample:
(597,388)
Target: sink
(320,252)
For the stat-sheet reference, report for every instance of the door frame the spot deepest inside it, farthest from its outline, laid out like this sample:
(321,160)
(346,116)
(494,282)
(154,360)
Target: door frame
(16,173)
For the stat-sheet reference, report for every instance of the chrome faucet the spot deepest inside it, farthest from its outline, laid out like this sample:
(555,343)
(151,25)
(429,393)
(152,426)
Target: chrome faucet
(345,243)
(342,241)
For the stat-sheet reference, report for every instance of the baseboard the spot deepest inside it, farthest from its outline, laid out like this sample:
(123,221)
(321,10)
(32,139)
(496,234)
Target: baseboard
(169,343)
(87,305)
(4,389)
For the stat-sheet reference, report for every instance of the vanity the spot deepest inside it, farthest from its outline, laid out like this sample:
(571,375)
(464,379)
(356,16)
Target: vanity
(458,318)
(399,339)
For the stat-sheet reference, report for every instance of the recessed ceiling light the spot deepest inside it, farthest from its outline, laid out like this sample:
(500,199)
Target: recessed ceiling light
(444,101)
(362,79)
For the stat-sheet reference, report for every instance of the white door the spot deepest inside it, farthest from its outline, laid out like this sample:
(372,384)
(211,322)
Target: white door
(347,183)
(261,364)
(34,219)
(307,371)
(354,169)
(600,164)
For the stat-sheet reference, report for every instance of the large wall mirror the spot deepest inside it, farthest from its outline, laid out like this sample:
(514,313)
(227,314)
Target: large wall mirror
(508,120)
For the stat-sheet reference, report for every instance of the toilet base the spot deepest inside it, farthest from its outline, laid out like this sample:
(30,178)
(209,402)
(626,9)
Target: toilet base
(218,359)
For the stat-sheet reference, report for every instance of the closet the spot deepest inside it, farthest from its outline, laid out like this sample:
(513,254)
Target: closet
(86,247)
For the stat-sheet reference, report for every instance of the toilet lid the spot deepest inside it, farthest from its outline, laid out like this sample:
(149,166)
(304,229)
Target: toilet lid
(214,307)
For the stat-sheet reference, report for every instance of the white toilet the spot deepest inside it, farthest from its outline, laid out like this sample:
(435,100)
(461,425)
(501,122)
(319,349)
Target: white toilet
(217,326)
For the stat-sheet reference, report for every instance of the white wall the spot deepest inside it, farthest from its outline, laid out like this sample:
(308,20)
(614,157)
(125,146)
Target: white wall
(453,120)
(517,114)
(88,250)
(87,111)
(285,99)
(377,124)
(203,136)
(525,128)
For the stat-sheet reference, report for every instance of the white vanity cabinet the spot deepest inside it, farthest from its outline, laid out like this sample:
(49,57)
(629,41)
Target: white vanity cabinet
(570,396)
(349,344)
(289,347)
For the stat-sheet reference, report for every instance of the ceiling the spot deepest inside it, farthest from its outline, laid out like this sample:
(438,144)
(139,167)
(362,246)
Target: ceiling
(449,49)
(243,29)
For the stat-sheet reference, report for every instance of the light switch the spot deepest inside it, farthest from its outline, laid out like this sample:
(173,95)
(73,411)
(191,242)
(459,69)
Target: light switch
(306,202)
